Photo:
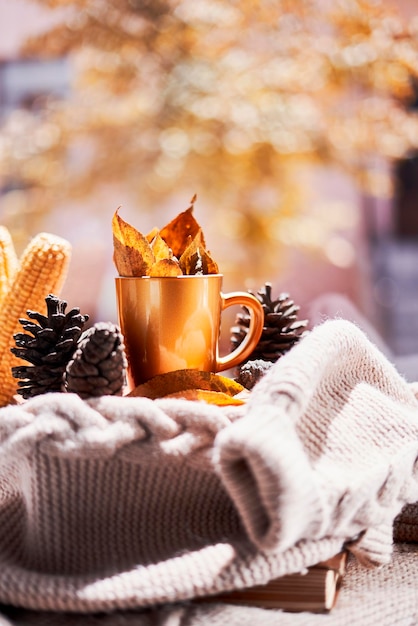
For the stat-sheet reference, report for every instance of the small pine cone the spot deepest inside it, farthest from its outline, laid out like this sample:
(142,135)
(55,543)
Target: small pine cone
(48,343)
(252,371)
(98,366)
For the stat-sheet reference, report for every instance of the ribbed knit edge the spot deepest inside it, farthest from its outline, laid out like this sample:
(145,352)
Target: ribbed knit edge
(385,596)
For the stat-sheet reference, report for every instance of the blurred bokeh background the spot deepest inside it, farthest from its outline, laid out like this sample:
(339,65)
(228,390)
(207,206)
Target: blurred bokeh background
(294,121)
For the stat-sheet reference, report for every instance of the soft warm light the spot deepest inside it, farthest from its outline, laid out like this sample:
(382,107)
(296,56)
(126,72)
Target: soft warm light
(340,252)
(231,100)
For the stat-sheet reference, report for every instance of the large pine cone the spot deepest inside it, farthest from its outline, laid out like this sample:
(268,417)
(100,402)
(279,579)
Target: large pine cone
(48,344)
(281,327)
(98,366)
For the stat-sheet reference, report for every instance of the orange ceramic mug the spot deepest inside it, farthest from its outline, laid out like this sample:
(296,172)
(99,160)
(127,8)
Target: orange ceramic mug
(173,322)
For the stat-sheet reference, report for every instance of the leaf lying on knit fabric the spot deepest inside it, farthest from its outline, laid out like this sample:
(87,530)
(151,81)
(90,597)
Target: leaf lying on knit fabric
(184,380)
(219,398)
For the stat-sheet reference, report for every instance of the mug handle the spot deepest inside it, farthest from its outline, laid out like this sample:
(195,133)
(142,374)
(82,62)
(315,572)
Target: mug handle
(254,331)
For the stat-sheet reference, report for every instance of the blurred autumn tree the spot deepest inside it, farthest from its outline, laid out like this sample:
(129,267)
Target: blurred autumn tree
(228,99)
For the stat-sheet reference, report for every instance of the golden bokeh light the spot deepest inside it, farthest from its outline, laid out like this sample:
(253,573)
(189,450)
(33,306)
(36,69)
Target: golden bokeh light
(228,100)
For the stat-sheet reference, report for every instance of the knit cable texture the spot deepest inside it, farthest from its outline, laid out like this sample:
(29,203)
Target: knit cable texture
(119,503)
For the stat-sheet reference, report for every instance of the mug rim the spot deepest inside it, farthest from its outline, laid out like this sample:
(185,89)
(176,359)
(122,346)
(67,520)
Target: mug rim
(182,276)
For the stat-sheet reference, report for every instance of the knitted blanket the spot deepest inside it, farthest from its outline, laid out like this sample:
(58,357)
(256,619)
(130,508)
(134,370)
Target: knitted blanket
(119,503)
(383,596)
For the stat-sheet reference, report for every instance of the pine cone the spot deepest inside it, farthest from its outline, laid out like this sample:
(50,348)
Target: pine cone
(48,344)
(281,328)
(98,365)
(252,371)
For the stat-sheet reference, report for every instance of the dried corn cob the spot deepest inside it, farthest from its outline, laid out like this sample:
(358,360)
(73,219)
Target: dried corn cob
(8,262)
(42,271)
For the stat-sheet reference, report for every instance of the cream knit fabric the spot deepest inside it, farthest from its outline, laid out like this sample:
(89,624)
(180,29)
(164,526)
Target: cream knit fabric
(119,503)
(385,596)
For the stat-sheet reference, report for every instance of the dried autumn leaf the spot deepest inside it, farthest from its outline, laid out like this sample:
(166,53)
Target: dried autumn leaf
(176,234)
(196,259)
(132,254)
(160,249)
(153,233)
(219,398)
(182,380)
(157,253)
(165,267)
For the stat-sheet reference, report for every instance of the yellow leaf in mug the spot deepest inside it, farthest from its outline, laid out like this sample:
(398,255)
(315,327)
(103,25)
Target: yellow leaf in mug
(196,259)
(165,267)
(160,249)
(181,380)
(177,233)
(152,233)
(132,254)
(210,397)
